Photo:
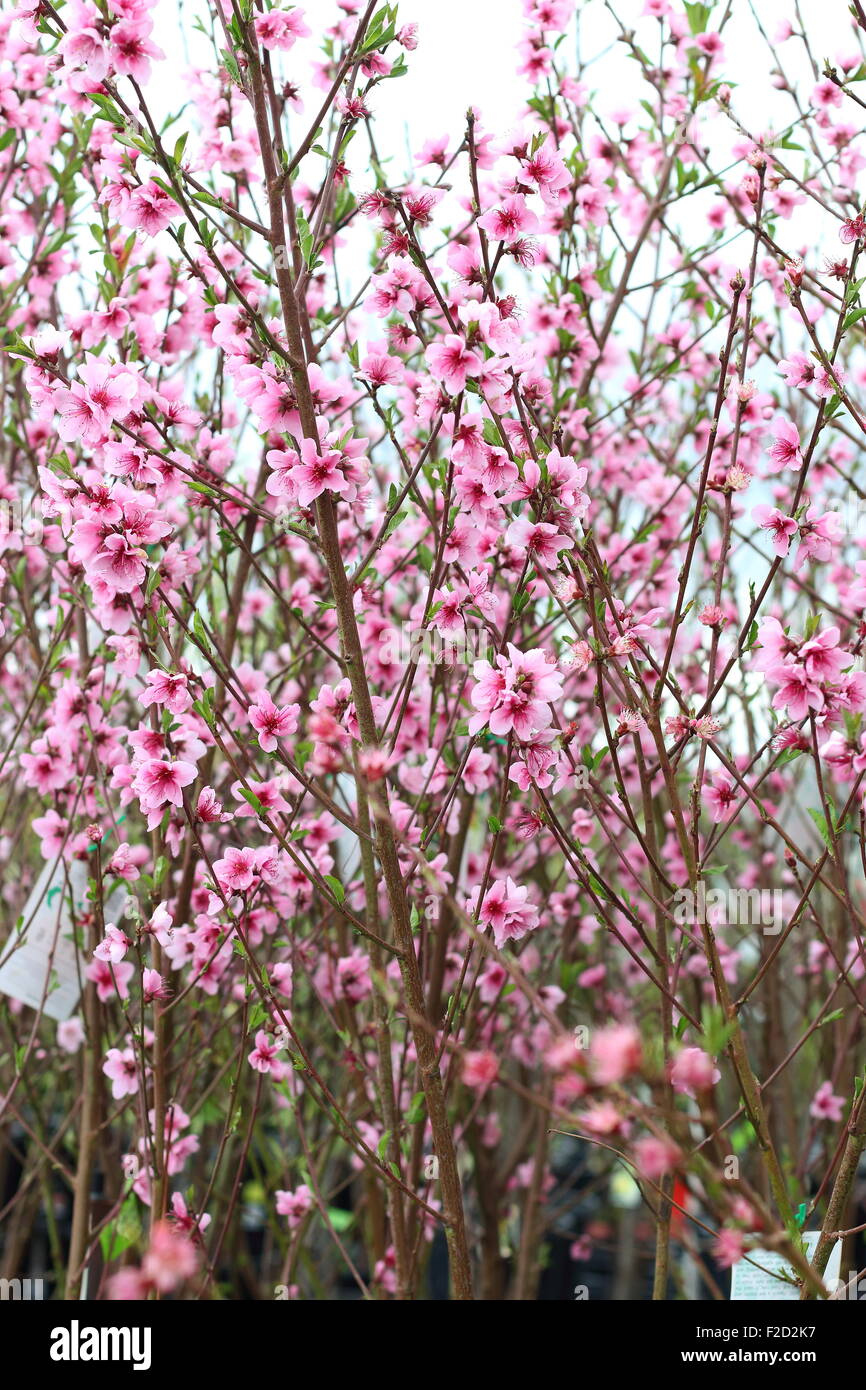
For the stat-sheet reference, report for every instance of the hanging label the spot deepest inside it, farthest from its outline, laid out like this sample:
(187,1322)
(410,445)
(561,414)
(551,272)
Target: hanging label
(749,1282)
(39,966)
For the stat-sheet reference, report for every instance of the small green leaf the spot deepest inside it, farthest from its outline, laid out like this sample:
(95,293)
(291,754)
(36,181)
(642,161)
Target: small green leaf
(340,1220)
(417,1109)
(336,887)
(821,822)
(254,801)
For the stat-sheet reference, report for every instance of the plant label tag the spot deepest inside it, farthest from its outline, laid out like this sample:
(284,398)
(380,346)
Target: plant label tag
(39,966)
(750,1283)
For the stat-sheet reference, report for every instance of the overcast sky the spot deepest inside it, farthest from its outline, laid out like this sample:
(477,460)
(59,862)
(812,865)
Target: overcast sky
(467,56)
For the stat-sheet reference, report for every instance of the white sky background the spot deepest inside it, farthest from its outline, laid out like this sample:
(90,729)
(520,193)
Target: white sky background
(467,55)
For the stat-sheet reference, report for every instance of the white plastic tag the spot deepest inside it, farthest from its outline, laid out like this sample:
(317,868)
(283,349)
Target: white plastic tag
(44,954)
(749,1282)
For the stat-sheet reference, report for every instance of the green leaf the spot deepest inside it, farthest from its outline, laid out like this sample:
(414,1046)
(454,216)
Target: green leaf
(336,887)
(382,29)
(123,1233)
(832,1018)
(698,17)
(254,801)
(821,822)
(417,1109)
(340,1220)
(305,239)
(230,63)
(207,198)
(199,630)
(107,109)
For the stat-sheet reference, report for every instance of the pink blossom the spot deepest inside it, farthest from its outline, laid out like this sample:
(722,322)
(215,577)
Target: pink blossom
(131,49)
(799,370)
(150,209)
(52,830)
(452,362)
(161,783)
(785,449)
(853,229)
(729,1247)
(692,1070)
(515,693)
(113,946)
(294,1204)
(112,981)
(153,986)
(119,563)
(656,1156)
(819,532)
(122,864)
(540,541)
(70,1034)
(781,527)
(615,1052)
(506,909)
(171,1258)
(121,1069)
(185,1220)
(279,29)
(264,1054)
(721,796)
(236,871)
(480,1070)
(603,1118)
(128,1284)
(271,723)
(168,690)
(353,976)
(316,472)
(825,1105)
(510,219)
